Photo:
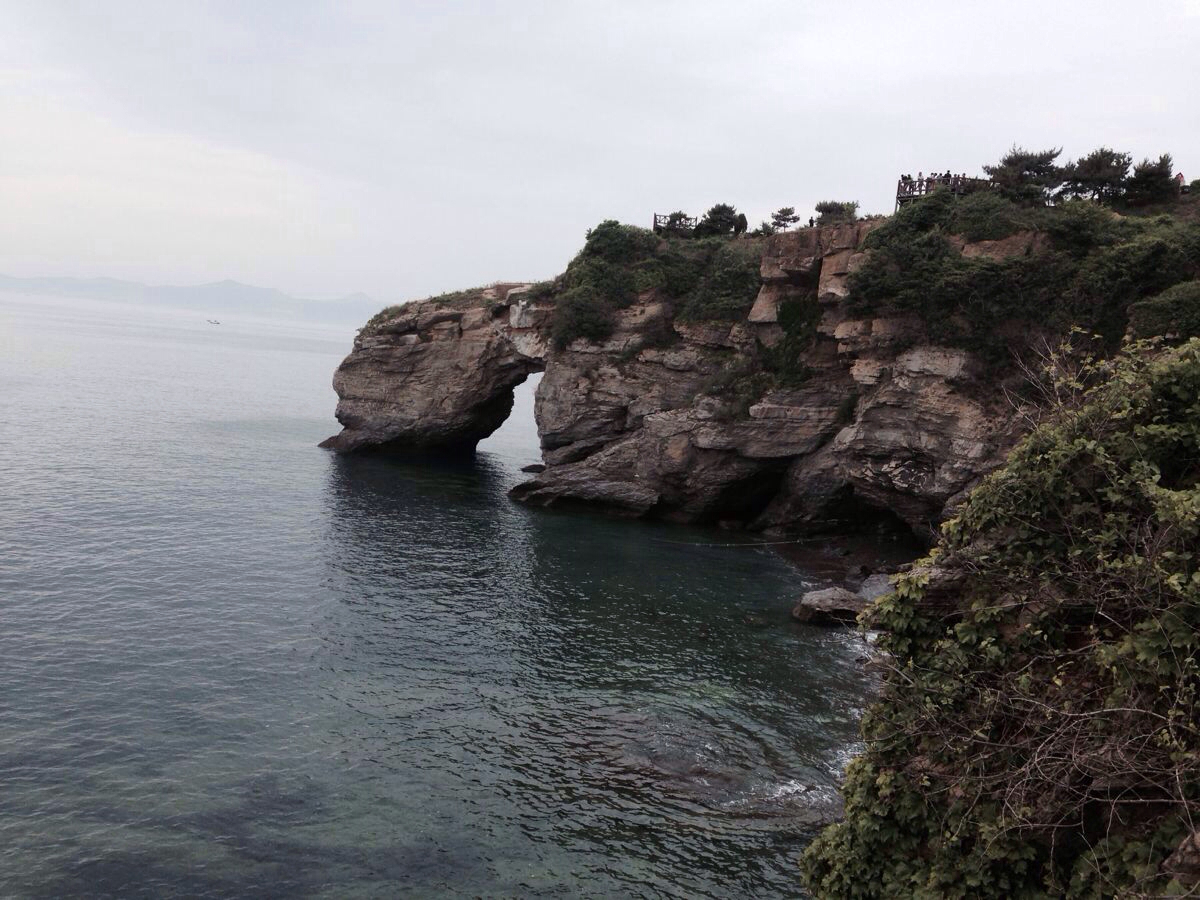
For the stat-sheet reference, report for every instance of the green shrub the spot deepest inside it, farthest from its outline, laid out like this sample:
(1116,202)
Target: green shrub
(1115,276)
(1176,312)
(541,291)
(729,284)
(833,212)
(1080,226)
(798,317)
(987,216)
(1036,732)
(1099,266)
(683,266)
(581,313)
(613,283)
(922,214)
(616,263)
(616,243)
(649,275)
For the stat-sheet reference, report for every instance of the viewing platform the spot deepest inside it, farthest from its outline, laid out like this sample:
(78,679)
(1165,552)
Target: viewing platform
(674,223)
(909,189)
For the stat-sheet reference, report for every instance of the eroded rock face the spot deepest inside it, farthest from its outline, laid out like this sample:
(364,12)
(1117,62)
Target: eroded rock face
(886,423)
(435,377)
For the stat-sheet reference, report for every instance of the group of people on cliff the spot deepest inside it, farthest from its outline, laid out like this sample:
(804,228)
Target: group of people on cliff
(923,184)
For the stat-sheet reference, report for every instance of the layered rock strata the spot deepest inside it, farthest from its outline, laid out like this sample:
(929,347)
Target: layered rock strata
(887,423)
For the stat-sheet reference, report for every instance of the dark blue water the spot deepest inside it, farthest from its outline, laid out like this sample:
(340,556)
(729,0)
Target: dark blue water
(233,664)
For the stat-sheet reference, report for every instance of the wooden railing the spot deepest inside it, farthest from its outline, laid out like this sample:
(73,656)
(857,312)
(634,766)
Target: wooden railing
(909,189)
(673,222)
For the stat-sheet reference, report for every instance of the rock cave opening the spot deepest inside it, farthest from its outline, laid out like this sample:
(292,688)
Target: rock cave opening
(848,513)
(516,439)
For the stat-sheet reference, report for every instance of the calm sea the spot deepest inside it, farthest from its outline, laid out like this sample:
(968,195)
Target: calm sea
(233,664)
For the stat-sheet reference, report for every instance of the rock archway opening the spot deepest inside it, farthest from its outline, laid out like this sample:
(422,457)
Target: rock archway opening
(516,440)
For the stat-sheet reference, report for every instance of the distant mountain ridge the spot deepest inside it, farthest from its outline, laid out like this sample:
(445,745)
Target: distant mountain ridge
(214,298)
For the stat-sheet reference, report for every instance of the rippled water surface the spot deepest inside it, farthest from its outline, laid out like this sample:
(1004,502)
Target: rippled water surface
(233,664)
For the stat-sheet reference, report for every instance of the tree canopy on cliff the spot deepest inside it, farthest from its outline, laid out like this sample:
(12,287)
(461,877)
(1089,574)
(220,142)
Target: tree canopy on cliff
(831,212)
(1098,176)
(1152,181)
(721,219)
(1027,176)
(1037,732)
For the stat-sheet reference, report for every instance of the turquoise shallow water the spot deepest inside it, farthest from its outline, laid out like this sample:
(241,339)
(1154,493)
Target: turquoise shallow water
(233,664)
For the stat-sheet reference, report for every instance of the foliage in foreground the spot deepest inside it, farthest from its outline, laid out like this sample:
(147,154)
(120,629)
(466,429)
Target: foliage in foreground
(1037,732)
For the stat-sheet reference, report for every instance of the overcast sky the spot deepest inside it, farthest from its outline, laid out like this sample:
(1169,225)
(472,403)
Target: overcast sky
(404,148)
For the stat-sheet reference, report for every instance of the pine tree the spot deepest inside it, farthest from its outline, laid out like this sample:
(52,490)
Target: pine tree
(784,218)
(1027,176)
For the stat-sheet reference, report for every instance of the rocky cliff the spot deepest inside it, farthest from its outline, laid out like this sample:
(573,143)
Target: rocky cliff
(687,417)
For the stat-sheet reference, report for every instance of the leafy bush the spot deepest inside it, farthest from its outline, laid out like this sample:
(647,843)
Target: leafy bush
(711,278)
(602,278)
(987,216)
(541,290)
(1079,227)
(1175,312)
(684,265)
(798,317)
(832,212)
(1036,734)
(1112,278)
(581,314)
(616,243)
(729,285)
(648,275)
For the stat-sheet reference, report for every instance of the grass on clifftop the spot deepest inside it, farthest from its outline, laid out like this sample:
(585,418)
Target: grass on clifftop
(451,300)
(1038,730)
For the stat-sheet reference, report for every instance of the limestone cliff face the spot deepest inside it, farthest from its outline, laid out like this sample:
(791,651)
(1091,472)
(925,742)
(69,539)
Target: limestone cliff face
(884,421)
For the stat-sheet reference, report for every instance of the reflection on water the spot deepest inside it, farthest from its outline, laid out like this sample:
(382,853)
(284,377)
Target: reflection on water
(233,664)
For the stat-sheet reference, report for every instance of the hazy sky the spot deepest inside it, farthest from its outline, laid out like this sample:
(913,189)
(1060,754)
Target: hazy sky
(403,148)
